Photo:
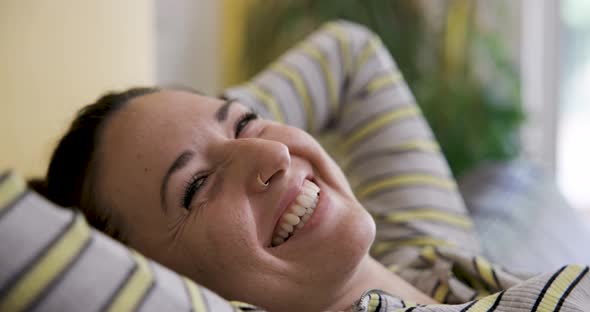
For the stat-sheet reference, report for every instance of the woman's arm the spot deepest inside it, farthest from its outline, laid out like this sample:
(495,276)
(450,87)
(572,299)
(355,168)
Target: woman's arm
(51,260)
(341,79)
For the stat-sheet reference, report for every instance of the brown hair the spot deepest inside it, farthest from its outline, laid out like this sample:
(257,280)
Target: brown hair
(71,173)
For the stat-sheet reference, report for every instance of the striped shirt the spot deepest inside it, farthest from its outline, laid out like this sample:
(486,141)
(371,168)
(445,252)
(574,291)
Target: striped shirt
(341,85)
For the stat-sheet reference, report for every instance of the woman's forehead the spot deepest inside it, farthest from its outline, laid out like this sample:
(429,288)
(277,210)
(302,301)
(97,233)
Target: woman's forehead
(172,101)
(158,124)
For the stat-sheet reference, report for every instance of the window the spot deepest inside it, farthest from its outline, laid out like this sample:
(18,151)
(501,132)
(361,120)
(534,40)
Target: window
(555,68)
(573,123)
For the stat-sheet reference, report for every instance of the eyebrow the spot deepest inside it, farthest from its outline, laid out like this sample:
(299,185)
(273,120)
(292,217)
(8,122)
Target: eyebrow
(184,157)
(221,114)
(178,164)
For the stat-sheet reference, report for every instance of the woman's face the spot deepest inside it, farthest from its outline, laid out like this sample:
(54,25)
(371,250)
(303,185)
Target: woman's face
(181,174)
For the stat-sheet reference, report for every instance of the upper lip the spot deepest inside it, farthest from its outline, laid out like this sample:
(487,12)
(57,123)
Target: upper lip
(287,199)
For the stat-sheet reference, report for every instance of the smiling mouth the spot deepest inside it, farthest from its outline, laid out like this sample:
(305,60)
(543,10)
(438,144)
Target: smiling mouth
(296,215)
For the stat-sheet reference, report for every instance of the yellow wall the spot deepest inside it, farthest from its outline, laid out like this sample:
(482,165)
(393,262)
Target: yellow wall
(233,16)
(56,56)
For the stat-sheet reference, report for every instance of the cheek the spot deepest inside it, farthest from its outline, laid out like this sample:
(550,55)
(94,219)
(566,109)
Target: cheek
(302,144)
(230,230)
(224,238)
(327,165)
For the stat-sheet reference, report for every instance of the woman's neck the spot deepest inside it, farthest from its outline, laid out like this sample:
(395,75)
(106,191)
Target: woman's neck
(373,275)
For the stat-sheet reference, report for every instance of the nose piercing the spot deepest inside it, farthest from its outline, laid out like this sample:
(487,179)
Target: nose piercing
(262,183)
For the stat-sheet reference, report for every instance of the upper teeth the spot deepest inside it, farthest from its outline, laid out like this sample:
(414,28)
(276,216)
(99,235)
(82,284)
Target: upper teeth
(297,214)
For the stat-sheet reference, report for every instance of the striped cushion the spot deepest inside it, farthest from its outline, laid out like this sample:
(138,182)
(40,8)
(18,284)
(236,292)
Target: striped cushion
(51,260)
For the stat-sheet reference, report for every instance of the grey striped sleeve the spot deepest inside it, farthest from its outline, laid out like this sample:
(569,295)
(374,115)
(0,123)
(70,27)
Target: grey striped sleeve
(51,260)
(342,80)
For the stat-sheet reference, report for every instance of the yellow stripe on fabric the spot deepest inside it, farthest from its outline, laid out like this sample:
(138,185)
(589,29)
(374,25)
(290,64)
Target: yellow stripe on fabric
(358,107)
(314,52)
(48,268)
(558,287)
(382,247)
(195,296)
(136,287)
(428,146)
(429,214)
(268,100)
(242,305)
(475,283)
(478,286)
(408,306)
(342,38)
(393,268)
(301,89)
(482,293)
(368,51)
(429,253)
(421,145)
(373,302)
(484,304)
(379,122)
(411,179)
(441,292)
(12,187)
(485,270)
(353,107)
(378,83)
(412,145)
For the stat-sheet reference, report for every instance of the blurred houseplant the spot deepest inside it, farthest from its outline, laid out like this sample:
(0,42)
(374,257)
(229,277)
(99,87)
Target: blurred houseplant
(460,74)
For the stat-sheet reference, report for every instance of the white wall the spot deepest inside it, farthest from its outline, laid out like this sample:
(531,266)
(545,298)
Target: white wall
(540,79)
(188,44)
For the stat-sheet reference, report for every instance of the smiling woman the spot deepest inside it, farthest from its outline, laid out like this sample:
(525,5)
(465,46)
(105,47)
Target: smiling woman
(258,211)
(216,210)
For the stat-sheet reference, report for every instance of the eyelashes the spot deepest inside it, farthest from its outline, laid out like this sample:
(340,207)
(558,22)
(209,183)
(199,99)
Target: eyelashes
(243,121)
(192,186)
(198,180)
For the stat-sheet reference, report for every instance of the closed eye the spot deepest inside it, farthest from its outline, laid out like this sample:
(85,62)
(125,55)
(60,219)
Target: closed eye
(192,187)
(198,180)
(243,121)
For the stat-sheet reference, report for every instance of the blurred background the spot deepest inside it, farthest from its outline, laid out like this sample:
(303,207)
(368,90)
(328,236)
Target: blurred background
(501,82)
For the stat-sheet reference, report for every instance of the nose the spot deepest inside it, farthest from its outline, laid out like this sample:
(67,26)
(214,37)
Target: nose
(260,161)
